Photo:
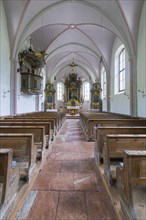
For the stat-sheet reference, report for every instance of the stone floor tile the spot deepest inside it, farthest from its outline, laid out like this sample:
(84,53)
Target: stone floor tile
(68,166)
(62,181)
(52,166)
(85,166)
(44,207)
(71,206)
(99,206)
(84,181)
(65,156)
(43,181)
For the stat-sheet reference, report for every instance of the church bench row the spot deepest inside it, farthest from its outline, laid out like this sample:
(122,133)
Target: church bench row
(89,124)
(59,117)
(112,122)
(9,179)
(35,119)
(85,116)
(101,133)
(14,122)
(24,151)
(114,146)
(37,131)
(130,177)
(39,117)
(123,138)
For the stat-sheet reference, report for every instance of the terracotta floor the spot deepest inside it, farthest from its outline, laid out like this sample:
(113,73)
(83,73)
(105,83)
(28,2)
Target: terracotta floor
(69,187)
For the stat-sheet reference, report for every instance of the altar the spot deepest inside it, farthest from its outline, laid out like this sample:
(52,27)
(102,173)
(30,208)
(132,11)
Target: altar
(73,110)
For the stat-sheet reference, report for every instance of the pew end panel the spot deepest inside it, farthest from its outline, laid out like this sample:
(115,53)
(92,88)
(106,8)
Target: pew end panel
(133,173)
(9,179)
(114,145)
(24,151)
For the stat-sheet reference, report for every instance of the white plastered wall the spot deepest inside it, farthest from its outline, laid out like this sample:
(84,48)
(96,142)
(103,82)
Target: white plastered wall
(141,65)
(119,102)
(4,65)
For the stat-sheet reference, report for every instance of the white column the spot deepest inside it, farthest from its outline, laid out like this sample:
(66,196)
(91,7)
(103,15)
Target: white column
(36,103)
(133,88)
(13,87)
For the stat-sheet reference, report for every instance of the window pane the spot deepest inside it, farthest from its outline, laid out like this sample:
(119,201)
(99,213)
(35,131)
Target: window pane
(122,70)
(86,91)
(59,91)
(104,83)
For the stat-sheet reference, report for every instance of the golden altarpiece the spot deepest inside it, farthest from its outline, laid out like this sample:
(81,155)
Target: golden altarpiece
(72,93)
(49,96)
(96,102)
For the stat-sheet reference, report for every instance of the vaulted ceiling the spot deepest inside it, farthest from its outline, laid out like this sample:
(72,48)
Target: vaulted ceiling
(82,31)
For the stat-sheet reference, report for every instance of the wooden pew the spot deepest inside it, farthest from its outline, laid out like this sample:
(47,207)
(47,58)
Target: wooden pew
(131,174)
(47,125)
(34,119)
(114,145)
(101,132)
(92,120)
(57,116)
(60,115)
(86,116)
(24,151)
(38,117)
(39,135)
(9,179)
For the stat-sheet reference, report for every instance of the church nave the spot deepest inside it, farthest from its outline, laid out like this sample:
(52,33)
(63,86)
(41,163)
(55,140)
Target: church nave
(68,186)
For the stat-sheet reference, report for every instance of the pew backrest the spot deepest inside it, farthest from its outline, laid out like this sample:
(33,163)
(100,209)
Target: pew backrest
(38,131)
(101,132)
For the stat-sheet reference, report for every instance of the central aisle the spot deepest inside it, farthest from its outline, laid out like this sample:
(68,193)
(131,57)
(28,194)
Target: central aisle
(69,187)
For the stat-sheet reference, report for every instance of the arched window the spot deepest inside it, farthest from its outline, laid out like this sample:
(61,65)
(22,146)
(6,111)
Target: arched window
(60,91)
(120,69)
(103,82)
(86,91)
